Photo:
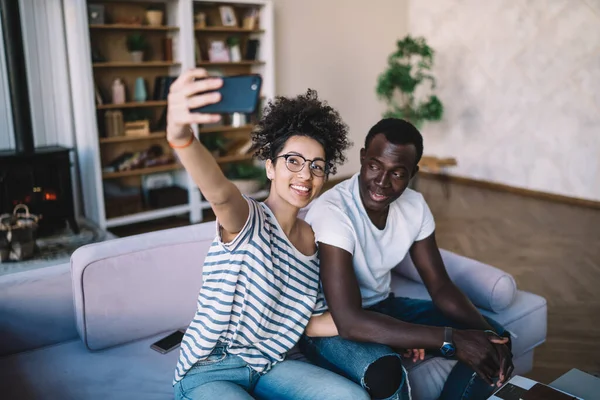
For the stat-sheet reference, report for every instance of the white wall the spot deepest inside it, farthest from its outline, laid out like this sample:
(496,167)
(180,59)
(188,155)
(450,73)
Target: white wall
(338,47)
(520,81)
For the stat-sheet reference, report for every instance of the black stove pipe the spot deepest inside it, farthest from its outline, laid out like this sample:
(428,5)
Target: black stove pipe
(17,75)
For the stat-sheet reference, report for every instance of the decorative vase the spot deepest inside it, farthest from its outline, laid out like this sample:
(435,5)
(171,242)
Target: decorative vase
(118,91)
(140,90)
(154,17)
(137,56)
(235,54)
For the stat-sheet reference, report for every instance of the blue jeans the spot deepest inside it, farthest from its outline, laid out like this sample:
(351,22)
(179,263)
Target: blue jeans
(355,360)
(227,377)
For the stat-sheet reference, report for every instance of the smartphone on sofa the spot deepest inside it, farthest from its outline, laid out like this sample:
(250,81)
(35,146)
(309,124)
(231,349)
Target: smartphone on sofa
(239,94)
(169,342)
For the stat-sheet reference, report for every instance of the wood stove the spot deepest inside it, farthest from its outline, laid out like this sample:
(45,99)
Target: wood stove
(42,181)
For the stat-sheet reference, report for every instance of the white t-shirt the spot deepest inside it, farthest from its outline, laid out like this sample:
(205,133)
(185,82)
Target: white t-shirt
(339,219)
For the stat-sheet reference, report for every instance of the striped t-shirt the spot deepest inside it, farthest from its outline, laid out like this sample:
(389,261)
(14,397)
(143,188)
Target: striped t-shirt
(257,295)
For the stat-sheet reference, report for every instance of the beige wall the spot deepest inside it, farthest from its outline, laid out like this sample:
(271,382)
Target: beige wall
(338,47)
(520,81)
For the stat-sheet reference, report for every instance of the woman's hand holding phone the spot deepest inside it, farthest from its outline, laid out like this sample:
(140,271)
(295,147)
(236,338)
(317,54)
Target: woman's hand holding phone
(188,91)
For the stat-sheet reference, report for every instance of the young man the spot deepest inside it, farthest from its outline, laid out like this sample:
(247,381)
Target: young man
(364,227)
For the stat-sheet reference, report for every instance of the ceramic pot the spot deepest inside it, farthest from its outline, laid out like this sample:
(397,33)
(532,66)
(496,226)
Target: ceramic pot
(154,17)
(137,56)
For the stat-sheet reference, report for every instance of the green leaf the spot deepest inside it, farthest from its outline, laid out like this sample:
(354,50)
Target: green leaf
(408,67)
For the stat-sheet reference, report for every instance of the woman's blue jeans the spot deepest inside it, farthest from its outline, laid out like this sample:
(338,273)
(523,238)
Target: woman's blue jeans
(353,359)
(227,377)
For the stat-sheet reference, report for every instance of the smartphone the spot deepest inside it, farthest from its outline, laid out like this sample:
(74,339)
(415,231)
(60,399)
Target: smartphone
(239,94)
(168,343)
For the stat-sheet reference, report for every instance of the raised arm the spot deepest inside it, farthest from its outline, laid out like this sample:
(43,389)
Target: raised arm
(224,197)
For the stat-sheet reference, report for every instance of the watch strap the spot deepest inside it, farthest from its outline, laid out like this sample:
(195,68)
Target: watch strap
(448,335)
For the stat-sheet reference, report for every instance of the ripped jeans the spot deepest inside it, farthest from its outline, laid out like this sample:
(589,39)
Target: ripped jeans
(378,367)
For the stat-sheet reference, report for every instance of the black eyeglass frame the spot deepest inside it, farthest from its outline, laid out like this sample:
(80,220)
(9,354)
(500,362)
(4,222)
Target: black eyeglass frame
(312,162)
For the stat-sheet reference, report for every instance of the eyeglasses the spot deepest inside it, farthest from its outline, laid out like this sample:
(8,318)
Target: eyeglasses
(295,163)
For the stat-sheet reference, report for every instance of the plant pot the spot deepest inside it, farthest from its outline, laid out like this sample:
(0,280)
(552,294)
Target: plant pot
(247,186)
(137,56)
(154,17)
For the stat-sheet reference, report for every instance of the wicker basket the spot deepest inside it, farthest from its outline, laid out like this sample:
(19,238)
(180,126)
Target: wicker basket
(17,234)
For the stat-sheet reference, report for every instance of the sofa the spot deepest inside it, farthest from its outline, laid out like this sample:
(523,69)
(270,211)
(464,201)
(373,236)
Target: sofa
(83,330)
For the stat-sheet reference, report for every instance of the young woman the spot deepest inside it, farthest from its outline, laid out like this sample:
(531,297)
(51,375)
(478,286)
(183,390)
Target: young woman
(260,276)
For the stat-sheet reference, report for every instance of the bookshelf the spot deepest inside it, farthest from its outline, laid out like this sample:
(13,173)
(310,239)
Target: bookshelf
(122,142)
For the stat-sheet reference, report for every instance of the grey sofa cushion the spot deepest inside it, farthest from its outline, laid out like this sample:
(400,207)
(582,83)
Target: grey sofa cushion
(134,287)
(488,287)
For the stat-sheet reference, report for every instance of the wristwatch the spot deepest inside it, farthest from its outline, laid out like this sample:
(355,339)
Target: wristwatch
(448,348)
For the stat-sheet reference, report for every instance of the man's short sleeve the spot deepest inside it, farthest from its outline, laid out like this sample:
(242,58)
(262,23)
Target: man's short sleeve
(427,222)
(331,226)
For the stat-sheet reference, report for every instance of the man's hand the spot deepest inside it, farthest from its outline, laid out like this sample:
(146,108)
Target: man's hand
(478,350)
(415,354)
(506,364)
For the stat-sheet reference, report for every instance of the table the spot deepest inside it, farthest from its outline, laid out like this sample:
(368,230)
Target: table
(435,165)
(579,384)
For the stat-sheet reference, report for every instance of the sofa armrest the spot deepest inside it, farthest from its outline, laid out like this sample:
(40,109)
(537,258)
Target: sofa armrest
(131,288)
(487,287)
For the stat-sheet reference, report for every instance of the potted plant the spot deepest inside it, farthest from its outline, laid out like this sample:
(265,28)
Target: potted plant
(248,178)
(154,16)
(409,68)
(235,54)
(136,44)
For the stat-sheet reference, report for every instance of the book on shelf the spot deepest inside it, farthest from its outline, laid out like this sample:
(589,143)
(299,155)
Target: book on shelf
(161,87)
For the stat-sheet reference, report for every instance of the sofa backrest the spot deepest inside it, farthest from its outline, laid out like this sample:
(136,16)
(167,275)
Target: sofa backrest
(36,309)
(130,288)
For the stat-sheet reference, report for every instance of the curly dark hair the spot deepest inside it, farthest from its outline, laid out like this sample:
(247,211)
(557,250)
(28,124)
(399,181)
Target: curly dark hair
(304,115)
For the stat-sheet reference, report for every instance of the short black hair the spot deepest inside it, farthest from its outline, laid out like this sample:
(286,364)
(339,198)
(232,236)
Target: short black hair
(397,131)
(304,115)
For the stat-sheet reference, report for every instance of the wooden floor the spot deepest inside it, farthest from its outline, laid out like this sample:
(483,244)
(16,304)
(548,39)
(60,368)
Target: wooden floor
(551,249)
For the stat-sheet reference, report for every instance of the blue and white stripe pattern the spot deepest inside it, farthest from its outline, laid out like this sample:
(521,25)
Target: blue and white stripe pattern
(257,296)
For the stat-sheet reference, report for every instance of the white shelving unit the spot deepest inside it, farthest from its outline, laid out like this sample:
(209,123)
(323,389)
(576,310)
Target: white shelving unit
(179,25)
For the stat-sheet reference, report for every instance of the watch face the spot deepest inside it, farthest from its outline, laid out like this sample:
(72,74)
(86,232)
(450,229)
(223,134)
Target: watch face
(448,349)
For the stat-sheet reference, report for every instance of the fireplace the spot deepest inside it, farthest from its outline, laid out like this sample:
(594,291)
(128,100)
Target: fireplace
(42,181)
(39,177)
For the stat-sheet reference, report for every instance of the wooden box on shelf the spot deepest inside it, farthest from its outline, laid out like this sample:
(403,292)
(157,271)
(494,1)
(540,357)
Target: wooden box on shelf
(137,128)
